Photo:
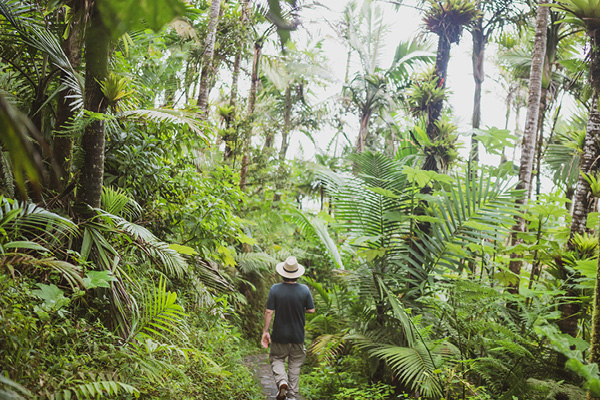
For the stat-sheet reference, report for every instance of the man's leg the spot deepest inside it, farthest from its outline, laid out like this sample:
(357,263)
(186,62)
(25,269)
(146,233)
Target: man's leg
(277,357)
(297,354)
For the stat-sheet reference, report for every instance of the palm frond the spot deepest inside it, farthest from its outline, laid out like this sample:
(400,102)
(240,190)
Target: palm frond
(317,228)
(27,221)
(173,117)
(160,315)
(475,212)
(117,202)
(96,390)
(254,262)
(29,32)
(169,259)
(373,203)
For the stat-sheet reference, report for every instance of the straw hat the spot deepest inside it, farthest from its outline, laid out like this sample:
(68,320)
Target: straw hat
(290,268)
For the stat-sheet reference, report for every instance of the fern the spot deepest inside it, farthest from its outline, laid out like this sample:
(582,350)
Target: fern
(254,262)
(160,314)
(96,390)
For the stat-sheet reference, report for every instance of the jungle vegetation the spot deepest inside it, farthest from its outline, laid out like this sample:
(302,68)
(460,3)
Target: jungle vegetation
(150,180)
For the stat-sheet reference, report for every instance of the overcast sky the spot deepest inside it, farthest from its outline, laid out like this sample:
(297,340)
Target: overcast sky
(403,23)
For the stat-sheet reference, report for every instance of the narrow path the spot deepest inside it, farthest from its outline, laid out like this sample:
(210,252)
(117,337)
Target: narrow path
(259,364)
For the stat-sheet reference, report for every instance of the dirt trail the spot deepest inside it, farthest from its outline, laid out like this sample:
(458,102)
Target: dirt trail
(262,372)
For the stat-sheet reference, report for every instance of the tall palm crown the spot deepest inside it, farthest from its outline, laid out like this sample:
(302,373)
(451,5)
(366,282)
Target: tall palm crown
(448,19)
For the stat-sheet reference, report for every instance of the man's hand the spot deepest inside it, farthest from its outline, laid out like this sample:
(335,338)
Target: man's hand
(266,340)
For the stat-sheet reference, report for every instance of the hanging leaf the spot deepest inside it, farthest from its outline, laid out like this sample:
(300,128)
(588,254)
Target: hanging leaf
(121,16)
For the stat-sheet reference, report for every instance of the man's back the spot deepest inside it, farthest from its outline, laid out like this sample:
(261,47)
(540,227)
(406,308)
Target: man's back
(289,301)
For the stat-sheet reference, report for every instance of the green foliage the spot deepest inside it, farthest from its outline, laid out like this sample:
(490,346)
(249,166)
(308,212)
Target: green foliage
(122,17)
(378,391)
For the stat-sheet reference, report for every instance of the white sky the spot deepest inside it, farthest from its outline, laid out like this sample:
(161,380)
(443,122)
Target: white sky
(404,24)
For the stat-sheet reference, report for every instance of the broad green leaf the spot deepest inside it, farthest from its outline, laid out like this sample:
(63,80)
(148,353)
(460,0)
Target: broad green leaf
(396,216)
(247,240)
(53,296)
(96,279)
(121,16)
(181,249)
(226,256)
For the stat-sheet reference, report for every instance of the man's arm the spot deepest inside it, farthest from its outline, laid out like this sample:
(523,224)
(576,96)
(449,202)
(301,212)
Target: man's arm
(266,338)
(311,311)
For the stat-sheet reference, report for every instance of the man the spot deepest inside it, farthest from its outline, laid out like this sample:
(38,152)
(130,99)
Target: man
(289,301)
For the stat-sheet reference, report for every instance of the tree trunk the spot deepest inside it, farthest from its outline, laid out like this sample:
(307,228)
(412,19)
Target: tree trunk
(287,124)
(539,146)
(441,71)
(235,75)
(365,120)
(207,59)
(529,135)
(97,46)
(583,200)
(250,117)
(227,137)
(595,339)
(63,144)
(509,99)
(479,41)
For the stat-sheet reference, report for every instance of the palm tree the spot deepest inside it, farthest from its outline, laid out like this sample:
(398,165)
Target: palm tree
(373,89)
(447,20)
(97,45)
(62,147)
(528,146)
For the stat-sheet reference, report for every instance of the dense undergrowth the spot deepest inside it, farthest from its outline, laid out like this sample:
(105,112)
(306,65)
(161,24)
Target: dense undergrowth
(55,353)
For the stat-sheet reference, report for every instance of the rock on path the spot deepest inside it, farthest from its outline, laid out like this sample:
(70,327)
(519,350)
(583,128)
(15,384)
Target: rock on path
(259,364)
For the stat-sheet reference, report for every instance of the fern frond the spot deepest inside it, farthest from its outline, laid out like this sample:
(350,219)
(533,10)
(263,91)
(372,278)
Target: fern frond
(254,262)
(160,314)
(96,390)
(116,201)
(160,252)
(170,116)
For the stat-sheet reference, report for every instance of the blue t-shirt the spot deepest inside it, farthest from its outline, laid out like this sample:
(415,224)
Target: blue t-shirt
(289,300)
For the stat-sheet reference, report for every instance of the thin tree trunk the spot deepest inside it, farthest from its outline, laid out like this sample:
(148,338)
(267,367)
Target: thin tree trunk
(441,71)
(588,164)
(365,120)
(287,125)
(509,100)
(593,130)
(529,136)
(207,59)
(251,106)
(63,144)
(477,58)
(539,146)
(227,138)
(97,46)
